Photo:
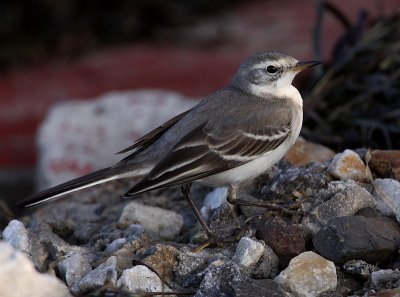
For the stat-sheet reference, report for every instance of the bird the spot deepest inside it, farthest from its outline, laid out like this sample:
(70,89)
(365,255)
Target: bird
(227,139)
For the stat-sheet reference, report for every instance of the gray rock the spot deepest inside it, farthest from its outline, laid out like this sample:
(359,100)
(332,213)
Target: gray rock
(190,263)
(385,279)
(347,197)
(218,279)
(105,273)
(348,165)
(308,275)
(135,232)
(248,252)
(94,128)
(261,287)
(267,266)
(18,277)
(157,221)
(255,259)
(307,180)
(73,267)
(56,247)
(115,245)
(17,236)
(387,194)
(357,237)
(359,268)
(140,278)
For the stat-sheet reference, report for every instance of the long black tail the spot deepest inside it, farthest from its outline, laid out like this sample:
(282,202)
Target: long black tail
(95,178)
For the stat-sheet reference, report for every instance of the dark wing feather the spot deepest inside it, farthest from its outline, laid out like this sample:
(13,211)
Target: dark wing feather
(205,151)
(146,140)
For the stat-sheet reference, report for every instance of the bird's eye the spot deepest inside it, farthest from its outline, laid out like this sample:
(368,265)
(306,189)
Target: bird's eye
(272,69)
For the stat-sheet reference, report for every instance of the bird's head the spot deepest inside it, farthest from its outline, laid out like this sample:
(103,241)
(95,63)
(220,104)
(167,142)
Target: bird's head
(268,72)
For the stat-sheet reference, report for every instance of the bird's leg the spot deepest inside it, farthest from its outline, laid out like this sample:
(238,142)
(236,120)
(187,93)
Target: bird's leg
(185,189)
(213,239)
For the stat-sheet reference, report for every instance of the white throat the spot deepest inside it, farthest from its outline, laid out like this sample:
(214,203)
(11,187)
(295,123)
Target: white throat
(283,88)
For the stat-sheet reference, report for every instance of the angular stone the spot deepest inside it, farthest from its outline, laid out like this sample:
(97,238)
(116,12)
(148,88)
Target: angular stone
(267,266)
(115,245)
(385,163)
(357,237)
(287,241)
(348,198)
(248,252)
(387,194)
(17,236)
(262,287)
(359,268)
(73,268)
(308,275)
(140,278)
(348,165)
(19,278)
(304,152)
(157,221)
(55,245)
(218,279)
(303,180)
(385,279)
(105,273)
(161,258)
(126,255)
(190,263)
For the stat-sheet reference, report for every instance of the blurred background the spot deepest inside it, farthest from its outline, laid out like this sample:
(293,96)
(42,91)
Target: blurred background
(53,52)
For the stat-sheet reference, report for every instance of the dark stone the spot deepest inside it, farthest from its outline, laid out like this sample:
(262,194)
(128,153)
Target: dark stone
(347,284)
(218,279)
(385,279)
(307,180)
(385,163)
(359,268)
(357,237)
(287,241)
(262,287)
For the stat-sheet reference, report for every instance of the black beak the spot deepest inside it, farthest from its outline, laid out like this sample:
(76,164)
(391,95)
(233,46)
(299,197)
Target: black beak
(304,65)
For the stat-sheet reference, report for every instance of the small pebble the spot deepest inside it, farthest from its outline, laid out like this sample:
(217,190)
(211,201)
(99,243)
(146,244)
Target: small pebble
(348,165)
(308,275)
(157,221)
(17,236)
(105,273)
(140,278)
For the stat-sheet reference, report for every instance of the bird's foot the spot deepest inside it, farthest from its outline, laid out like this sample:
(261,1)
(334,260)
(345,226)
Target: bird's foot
(215,239)
(289,209)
